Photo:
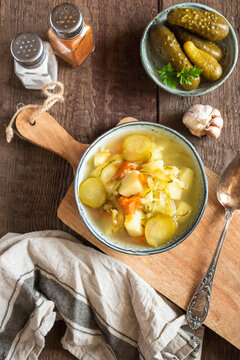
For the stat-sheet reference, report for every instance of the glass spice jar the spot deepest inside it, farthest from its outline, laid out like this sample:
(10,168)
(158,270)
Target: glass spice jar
(70,36)
(35,63)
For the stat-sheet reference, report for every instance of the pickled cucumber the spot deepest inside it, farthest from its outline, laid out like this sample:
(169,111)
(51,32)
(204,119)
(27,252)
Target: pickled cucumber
(92,192)
(212,70)
(167,48)
(182,35)
(136,147)
(205,23)
(159,229)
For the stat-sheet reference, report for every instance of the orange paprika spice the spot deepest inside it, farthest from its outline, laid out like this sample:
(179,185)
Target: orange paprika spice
(70,36)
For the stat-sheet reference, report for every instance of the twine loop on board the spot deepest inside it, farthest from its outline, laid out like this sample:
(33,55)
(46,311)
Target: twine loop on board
(51,99)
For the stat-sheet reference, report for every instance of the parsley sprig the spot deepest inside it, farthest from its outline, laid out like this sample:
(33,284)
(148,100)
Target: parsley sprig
(170,77)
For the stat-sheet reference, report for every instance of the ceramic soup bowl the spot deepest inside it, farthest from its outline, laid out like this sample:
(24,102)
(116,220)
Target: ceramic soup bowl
(120,243)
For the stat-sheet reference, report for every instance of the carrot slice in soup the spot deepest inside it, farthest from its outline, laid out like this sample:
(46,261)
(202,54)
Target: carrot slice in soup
(130,205)
(124,168)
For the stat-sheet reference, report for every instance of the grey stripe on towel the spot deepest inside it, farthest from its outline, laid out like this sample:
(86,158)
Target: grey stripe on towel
(81,314)
(72,308)
(110,312)
(22,309)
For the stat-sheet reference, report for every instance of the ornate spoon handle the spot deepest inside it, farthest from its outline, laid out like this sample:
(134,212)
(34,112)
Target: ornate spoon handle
(199,305)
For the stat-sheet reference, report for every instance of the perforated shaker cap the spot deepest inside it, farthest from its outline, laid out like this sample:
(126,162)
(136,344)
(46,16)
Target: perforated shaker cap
(27,49)
(66,21)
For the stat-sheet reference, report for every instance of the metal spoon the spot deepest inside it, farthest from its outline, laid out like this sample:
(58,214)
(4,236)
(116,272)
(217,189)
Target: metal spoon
(228,194)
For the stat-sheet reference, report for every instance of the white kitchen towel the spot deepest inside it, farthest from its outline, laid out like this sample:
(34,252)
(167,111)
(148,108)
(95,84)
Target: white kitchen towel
(110,312)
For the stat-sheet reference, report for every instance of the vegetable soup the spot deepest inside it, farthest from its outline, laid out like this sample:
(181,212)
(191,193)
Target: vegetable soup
(142,189)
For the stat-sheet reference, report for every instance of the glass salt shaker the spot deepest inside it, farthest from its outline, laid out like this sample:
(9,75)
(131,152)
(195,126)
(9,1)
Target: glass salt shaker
(70,36)
(35,63)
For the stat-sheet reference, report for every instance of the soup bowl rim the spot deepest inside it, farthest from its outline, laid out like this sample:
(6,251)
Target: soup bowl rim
(148,250)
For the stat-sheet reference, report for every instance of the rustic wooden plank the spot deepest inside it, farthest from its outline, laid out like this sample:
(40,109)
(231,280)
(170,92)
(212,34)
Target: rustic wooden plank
(53,349)
(28,174)
(215,154)
(107,86)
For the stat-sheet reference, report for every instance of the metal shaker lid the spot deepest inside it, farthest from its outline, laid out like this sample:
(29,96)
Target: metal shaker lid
(66,21)
(27,49)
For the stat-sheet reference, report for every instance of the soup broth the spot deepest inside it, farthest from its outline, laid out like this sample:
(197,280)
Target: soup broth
(142,189)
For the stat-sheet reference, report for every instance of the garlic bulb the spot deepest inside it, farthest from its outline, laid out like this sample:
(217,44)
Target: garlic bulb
(203,120)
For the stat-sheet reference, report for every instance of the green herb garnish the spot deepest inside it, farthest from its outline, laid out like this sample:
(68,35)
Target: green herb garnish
(186,75)
(169,76)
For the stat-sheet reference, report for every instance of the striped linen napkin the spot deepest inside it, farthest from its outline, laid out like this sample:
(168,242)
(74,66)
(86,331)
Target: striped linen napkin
(110,312)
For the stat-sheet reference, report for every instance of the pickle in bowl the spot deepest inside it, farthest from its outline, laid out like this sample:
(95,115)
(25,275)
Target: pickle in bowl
(205,45)
(203,26)
(207,24)
(212,70)
(168,50)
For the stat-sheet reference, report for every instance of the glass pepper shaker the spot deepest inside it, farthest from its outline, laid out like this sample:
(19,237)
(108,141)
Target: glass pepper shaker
(70,36)
(34,61)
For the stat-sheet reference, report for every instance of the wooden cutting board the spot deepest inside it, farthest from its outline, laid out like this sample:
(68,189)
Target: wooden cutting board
(176,273)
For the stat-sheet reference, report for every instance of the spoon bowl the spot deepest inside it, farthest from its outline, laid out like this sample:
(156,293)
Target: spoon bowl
(228,192)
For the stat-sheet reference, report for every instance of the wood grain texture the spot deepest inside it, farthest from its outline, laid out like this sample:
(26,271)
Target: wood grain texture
(47,133)
(109,85)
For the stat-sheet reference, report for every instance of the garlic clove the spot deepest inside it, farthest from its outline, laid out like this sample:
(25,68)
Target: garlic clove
(213,131)
(217,121)
(203,120)
(216,113)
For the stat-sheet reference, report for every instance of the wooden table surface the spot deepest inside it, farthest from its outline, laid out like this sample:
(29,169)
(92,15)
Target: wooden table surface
(111,84)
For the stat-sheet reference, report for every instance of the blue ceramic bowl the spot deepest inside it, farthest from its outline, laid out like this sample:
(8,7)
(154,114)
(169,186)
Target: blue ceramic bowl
(151,63)
(85,212)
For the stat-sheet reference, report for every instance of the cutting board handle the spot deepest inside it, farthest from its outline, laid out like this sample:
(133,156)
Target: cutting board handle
(49,134)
